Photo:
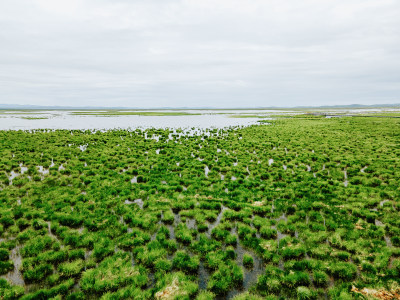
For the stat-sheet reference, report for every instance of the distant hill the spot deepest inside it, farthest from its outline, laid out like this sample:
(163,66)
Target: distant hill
(351,106)
(40,107)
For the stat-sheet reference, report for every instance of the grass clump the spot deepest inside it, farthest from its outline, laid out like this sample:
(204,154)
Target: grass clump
(224,278)
(343,271)
(247,296)
(4,254)
(303,293)
(248,261)
(9,292)
(184,262)
(112,273)
(175,286)
(71,269)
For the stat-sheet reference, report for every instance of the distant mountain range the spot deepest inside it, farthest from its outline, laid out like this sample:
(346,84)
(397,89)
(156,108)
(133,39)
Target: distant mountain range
(40,107)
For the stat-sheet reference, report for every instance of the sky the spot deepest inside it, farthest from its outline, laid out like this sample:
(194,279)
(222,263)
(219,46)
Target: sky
(199,53)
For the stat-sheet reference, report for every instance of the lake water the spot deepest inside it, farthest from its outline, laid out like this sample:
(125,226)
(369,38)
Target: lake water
(64,119)
(18,120)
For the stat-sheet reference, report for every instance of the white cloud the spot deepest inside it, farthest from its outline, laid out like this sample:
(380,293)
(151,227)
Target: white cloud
(199,53)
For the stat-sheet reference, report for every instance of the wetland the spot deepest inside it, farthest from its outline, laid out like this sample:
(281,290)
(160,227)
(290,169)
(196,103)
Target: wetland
(294,207)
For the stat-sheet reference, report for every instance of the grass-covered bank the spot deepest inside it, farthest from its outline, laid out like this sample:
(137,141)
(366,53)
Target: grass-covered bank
(301,208)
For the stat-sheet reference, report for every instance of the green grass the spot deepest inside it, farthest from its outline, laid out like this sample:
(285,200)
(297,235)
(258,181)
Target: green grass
(34,118)
(132,113)
(249,116)
(77,232)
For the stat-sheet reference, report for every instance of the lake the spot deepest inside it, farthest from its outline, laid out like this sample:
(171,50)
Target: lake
(29,120)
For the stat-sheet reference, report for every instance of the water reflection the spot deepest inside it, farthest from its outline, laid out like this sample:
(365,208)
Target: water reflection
(66,120)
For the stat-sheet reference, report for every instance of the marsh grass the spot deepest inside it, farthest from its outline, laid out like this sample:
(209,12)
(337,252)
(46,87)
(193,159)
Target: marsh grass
(78,230)
(132,113)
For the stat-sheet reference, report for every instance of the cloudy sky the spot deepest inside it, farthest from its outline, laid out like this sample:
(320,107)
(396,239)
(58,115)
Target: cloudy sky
(199,53)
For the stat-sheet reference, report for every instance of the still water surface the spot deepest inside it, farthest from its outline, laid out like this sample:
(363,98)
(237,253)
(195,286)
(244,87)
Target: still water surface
(66,120)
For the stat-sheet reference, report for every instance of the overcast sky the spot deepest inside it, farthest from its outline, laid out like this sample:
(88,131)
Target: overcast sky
(199,53)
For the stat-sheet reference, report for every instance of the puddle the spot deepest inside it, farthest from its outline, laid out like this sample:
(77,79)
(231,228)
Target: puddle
(152,280)
(42,170)
(12,176)
(388,241)
(250,275)
(15,276)
(191,223)
(177,219)
(171,232)
(204,275)
(206,171)
(217,221)
(49,231)
(139,202)
(23,169)
(83,147)
(383,202)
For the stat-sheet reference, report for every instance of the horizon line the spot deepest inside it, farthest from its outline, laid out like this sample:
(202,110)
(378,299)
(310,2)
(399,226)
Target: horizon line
(59,107)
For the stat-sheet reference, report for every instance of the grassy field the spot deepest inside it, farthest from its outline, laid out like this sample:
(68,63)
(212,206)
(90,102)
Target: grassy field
(303,208)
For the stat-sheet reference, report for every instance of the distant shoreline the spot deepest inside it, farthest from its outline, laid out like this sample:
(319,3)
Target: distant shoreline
(38,107)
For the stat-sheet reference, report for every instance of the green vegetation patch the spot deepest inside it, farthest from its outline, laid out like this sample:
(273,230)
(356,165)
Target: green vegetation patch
(304,208)
(133,113)
(113,273)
